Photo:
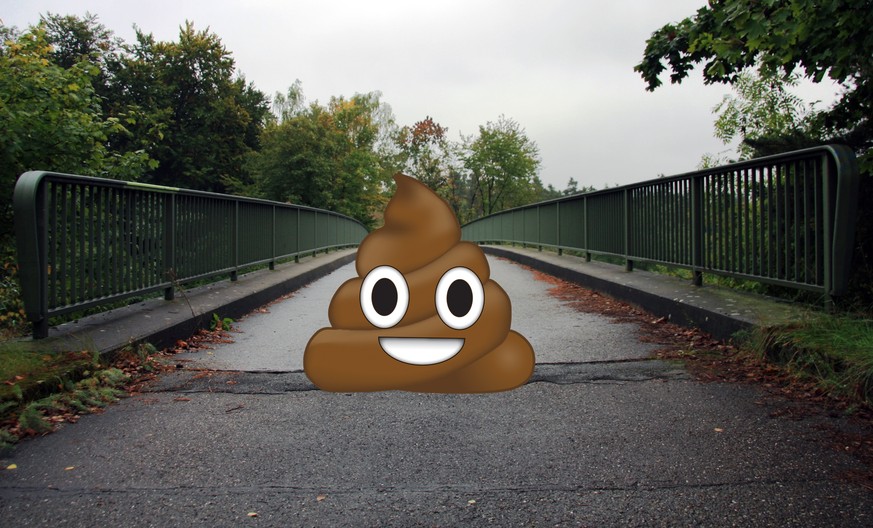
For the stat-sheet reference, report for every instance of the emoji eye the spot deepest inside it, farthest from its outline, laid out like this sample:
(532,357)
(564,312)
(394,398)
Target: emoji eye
(384,297)
(459,298)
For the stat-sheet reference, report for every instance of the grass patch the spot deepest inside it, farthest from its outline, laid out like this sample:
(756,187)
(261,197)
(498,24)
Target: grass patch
(834,351)
(27,372)
(40,390)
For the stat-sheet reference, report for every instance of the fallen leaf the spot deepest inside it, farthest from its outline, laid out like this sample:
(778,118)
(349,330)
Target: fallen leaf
(181,399)
(252,514)
(12,466)
(471,502)
(69,468)
(320,498)
(719,430)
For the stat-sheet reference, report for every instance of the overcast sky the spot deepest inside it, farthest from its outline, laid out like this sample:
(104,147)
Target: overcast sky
(563,69)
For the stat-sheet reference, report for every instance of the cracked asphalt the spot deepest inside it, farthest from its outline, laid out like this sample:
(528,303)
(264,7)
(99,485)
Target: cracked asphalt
(600,436)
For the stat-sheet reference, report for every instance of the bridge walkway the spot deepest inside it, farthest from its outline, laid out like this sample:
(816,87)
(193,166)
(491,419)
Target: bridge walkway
(601,436)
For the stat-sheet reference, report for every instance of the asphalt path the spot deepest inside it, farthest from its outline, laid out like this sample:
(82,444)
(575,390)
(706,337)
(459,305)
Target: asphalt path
(600,436)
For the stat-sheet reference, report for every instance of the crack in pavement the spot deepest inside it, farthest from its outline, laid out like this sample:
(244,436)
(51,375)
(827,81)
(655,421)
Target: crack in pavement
(51,491)
(620,371)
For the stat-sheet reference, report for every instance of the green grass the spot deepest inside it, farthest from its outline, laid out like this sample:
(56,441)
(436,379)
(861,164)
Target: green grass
(835,351)
(26,371)
(39,388)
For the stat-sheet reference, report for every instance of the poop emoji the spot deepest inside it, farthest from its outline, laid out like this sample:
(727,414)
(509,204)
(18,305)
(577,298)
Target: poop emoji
(423,314)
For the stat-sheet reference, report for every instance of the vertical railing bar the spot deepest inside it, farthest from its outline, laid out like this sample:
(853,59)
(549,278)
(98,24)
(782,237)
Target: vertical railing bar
(761,175)
(808,237)
(273,238)
(697,188)
(558,228)
(828,228)
(41,327)
(82,207)
(235,243)
(297,238)
(725,230)
(786,219)
(69,245)
(628,261)
(746,245)
(51,193)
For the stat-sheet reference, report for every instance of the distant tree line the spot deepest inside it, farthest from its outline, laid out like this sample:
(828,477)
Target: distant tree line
(75,98)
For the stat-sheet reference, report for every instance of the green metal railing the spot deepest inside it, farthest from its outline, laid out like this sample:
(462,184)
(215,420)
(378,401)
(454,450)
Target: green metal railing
(84,242)
(787,220)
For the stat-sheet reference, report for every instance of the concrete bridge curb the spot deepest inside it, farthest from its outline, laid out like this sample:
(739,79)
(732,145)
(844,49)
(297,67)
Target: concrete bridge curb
(721,312)
(162,322)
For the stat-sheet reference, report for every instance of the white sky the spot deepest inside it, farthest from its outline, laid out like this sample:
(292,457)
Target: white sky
(563,69)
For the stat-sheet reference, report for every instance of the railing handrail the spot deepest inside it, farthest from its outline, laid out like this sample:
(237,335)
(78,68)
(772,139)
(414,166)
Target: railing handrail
(838,199)
(98,228)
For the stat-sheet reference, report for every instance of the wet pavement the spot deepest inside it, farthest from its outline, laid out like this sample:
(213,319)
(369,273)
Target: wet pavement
(600,436)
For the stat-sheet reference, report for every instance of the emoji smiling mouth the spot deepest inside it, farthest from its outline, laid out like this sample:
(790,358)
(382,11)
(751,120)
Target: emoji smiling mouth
(421,350)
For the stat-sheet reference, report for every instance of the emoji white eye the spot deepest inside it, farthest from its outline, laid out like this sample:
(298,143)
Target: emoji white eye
(459,298)
(384,297)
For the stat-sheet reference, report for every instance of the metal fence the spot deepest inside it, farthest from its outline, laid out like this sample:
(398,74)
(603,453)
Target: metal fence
(84,242)
(787,220)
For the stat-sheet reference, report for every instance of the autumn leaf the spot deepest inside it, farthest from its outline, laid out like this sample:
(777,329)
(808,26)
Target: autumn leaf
(252,514)
(12,466)
(320,498)
(182,399)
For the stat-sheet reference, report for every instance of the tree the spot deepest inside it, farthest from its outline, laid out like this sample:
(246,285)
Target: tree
(503,164)
(820,38)
(326,156)
(51,118)
(766,116)
(433,159)
(197,118)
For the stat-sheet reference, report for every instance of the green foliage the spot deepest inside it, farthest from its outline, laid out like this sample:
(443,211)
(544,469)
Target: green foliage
(51,118)
(31,419)
(220,323)
(834,351)
(820,38)
(12,317)
(326,157)
(188,110)
(766,116)
(503,164)
(433,159)
(784,39)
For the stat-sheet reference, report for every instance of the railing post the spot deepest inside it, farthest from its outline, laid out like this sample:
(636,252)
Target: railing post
(828,250)
(697,230)
(628,263)
(273,241)
(585,229)
(170,245)
(233,274)
(297,239)
(539,230)
(558,228)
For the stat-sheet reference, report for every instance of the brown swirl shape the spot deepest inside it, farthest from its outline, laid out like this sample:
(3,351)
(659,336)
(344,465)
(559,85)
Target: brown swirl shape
(421,239)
